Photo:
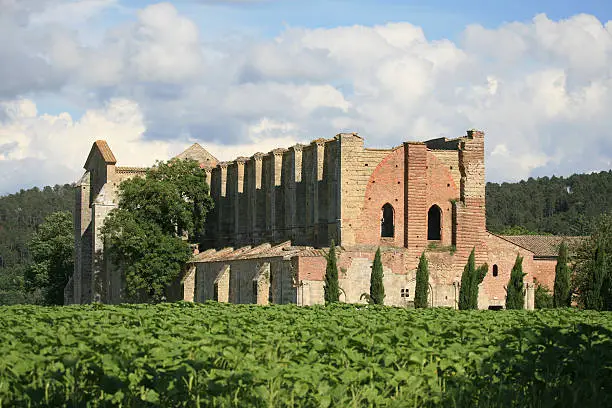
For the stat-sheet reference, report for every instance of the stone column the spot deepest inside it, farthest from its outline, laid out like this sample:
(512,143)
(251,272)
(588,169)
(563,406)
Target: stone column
(254,182)
(223,235)
(295,177)
(319,155)
(221,285)
(238,201)
(261,284)
(276,210)
(189,284)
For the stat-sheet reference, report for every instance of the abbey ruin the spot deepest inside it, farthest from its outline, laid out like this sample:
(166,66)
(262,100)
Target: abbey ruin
(276,213)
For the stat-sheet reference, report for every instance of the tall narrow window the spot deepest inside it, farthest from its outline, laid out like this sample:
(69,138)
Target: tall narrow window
(434,223)
(495,271)
(387,226)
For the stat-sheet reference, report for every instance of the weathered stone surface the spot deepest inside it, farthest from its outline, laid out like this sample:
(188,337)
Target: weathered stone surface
(282,209)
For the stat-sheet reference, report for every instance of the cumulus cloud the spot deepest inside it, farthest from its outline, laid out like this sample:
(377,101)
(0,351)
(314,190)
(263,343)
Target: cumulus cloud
(42,149)
(541,89)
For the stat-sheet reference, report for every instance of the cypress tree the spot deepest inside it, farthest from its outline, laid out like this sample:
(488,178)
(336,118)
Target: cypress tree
(562,296)
(331,287)
(515,293)
(377,290)
(421,290)
(470,279)
(594,298)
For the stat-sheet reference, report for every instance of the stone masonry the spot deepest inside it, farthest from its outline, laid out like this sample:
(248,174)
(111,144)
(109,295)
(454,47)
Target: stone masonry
(276,214)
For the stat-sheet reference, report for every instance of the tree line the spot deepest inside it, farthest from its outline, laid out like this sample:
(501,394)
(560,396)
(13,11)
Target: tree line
(549,205)
(164,212)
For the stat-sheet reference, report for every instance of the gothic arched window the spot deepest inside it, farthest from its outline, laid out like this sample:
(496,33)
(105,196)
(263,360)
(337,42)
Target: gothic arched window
(434,223)
(387,224)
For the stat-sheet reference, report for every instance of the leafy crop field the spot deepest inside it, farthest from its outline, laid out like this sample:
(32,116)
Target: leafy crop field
(220,355)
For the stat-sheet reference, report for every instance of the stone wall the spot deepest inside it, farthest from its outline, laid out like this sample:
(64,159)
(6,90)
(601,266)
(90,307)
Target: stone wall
(286,194)
(248,281)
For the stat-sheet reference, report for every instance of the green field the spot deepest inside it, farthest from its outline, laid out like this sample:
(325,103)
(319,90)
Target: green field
(223,355)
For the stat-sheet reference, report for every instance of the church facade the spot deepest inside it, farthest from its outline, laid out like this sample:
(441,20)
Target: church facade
(276,214)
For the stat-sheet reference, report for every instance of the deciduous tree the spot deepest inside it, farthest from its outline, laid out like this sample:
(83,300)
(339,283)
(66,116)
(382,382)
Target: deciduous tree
(52,251)
(147,236)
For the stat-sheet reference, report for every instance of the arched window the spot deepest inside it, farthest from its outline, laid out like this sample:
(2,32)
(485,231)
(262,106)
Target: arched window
(434,223)
(387,225)
(495,271)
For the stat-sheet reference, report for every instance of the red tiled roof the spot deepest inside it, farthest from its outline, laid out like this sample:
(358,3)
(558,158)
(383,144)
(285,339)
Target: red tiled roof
(545,246)
(102,147)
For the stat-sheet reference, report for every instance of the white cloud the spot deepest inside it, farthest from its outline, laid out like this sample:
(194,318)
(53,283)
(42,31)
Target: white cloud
(541,89)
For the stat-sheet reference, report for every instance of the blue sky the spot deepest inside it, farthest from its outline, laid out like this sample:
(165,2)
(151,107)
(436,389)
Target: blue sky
(438,18)
(240,76)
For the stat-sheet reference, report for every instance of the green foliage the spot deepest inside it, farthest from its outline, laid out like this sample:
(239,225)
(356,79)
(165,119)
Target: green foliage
(52,251)
(519,230)
(144,236)
(172,195)
(377,289)
(557,205)
(562,296)
(470,279)
(150,259)
(223,355)
(331,287)
(515,291)
(421,291)
(593,267)
(543,297)
(20,215)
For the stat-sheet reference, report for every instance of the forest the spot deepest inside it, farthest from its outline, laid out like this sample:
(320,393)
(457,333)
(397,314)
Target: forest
(546,205)
(555,205)
(20,214)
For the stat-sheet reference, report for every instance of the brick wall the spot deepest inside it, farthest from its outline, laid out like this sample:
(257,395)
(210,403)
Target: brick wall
(503,254)
(385,185)
(357,166)
(415,235)
(442,187)
(545,272)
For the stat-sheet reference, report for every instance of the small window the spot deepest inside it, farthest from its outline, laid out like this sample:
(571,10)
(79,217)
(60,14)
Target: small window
(495,271)
(387,224)
(404,293)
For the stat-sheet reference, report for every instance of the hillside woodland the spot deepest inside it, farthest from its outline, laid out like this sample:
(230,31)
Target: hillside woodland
(20,215)
(547,205)
(555,205)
